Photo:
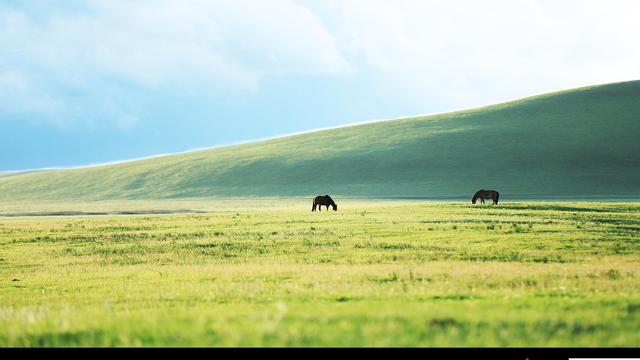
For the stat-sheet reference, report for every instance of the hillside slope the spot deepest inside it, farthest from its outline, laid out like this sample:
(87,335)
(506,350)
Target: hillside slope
(580,142)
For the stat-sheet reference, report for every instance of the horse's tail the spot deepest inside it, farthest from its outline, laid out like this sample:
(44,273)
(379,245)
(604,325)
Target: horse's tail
(497,197)
(313,208)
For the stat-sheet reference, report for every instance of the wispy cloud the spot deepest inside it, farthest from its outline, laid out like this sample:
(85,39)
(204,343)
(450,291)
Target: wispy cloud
(54,60)
(89,62)
(465,53)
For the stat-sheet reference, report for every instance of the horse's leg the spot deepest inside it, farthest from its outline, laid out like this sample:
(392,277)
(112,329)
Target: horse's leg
(482,200)
(314,207)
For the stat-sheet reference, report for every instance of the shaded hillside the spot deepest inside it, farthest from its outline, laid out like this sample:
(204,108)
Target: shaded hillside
(581,142)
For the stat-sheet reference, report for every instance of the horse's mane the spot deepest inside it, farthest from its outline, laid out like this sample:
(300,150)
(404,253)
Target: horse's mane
(330,199)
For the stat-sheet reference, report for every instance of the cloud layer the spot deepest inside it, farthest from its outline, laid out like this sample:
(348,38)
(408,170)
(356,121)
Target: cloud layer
(88,62)
(51,64)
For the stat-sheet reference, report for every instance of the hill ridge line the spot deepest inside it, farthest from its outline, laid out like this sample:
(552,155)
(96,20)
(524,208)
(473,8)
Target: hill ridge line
(276,137)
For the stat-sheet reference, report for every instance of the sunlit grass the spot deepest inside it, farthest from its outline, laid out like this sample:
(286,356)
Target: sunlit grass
(374,273)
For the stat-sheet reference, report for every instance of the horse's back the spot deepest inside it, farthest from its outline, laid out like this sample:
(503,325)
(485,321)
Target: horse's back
(323,200)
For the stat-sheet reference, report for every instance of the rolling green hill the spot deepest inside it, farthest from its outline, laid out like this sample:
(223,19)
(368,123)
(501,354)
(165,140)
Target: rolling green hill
(574,143)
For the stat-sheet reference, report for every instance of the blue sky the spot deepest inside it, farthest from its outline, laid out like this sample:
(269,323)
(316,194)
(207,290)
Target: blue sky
(85,82)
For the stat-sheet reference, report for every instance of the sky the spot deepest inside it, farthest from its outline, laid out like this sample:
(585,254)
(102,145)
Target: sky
(86,82)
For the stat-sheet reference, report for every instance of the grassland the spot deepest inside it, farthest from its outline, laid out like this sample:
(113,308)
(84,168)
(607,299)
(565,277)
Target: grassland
(574,143)
(375,273)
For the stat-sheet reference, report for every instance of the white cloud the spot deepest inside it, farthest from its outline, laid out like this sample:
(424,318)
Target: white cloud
(218,46)
(466,53)
(453,54)
(235,42)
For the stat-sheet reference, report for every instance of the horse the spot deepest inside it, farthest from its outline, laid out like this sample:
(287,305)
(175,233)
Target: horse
(319,201)
(486,194)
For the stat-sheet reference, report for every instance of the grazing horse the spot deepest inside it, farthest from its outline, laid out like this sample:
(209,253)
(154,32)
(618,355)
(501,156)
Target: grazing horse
(486,194)
(319,201)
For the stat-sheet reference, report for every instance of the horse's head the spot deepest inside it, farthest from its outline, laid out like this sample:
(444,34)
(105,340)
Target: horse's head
(335,206)
(475,197)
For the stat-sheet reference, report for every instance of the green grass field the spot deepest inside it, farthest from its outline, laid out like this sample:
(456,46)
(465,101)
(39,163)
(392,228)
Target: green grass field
(576,143)
(187,250)
(375,273)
